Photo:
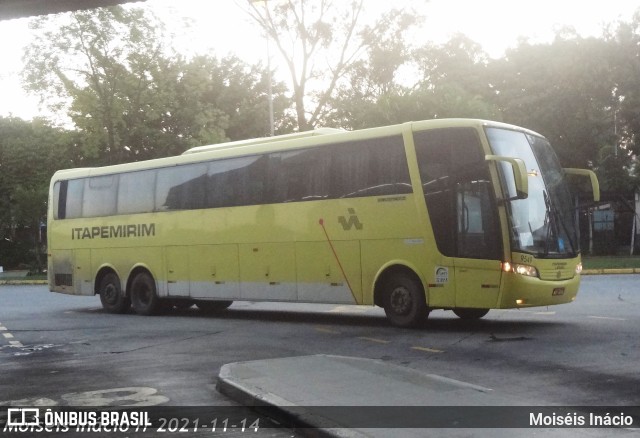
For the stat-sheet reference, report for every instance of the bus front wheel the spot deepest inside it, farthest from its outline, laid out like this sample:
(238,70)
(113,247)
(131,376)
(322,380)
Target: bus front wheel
(404,301)
(469,313)
(111,297)
(144,298)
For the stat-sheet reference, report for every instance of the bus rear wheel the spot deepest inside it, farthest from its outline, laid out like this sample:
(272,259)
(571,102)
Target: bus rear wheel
(144,298)
(213,306)
(404,301)
(469,313)
(111,297)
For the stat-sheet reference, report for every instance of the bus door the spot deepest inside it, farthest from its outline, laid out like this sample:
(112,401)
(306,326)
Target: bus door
(463,215)
(477,262)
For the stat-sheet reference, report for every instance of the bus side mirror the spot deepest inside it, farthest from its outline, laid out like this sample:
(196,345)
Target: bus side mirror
(519,173)
(595,185)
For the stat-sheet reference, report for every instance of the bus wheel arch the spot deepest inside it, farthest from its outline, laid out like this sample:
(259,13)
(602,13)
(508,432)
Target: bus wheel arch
(400,291)
(469,314)
(142,291)
(213,306)
(109,287)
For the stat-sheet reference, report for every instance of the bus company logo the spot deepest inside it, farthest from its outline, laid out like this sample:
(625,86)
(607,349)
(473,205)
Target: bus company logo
(114,231)
(353,221)
(23,417)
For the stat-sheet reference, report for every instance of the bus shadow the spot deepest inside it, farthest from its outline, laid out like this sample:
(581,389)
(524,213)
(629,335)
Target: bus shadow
(441,322)
(290,316)
(497,327)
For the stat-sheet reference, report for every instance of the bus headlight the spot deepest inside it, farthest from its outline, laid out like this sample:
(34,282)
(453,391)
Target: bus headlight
(578,268)
(526,270)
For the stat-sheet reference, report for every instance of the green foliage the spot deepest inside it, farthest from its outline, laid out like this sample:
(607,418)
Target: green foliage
(131,98)
(562,90)
(448,80)
(30,152)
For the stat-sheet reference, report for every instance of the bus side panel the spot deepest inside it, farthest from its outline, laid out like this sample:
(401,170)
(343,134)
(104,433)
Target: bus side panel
(83,275)
(268,271)
(177,270)
(320,275)
(477,283)
(214,271)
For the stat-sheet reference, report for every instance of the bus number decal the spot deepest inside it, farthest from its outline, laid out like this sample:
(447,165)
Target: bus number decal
(442,275)
(526,259)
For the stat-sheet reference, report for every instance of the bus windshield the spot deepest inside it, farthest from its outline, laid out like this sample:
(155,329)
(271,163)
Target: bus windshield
(543,224)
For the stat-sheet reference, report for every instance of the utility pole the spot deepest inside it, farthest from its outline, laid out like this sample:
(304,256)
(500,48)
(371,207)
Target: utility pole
(270,85)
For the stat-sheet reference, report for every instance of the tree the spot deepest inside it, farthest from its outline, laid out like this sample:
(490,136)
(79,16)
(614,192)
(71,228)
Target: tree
(562,90)
(625,44)
(30,152)
(234,90)
(131,97)
(455,80)
(321,42)
(448,80)
(95,64)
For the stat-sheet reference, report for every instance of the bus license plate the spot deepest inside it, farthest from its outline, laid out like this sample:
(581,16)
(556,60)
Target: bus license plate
(558,291)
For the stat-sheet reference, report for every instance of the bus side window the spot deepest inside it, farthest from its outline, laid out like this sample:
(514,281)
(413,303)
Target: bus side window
(181,187)
(75,188)
(59,199)
(135,192)
(99,197)
(374,167)
(301,175)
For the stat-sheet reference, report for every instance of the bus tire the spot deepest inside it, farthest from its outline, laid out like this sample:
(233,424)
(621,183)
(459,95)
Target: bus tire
(111,297)
(468,313)
(213,306)
(404,301)
(144,298)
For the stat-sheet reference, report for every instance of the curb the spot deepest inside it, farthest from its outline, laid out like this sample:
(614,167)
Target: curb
(274,407)
(611,271)
(22,282)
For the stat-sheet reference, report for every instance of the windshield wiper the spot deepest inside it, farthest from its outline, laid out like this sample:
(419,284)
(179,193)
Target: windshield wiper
(553,219)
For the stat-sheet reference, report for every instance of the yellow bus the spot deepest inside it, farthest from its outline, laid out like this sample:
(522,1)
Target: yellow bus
(455,214)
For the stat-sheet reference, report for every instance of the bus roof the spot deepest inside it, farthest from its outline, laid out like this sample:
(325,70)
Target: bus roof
(262,140)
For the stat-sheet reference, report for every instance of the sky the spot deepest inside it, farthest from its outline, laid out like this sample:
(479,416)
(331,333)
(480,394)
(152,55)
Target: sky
(221,28)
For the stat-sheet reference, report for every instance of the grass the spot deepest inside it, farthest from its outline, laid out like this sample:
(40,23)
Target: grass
(610,262)
(9,277)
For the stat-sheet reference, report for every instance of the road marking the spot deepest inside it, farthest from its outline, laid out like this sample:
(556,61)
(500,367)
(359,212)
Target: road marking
(327,330)
(117,397)
(8,335)
(545,313)
(429,350)
(349,309)
(607,317)
(379,341)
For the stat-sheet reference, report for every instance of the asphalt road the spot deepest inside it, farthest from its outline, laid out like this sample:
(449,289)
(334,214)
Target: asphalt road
(64,350)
